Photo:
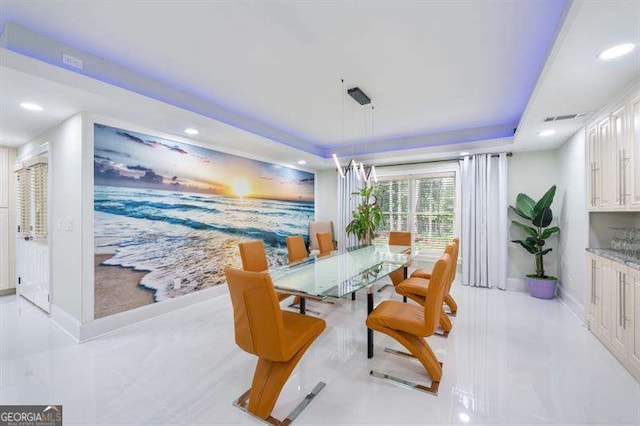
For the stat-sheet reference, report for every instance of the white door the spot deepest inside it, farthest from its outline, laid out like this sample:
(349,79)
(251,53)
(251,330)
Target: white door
(590,292)
(619,166)
(605,173)
(32,249)
(604,302)
(592,140)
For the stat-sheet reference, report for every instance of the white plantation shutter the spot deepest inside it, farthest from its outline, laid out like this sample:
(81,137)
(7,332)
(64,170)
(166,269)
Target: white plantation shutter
(395,207)
(433,203)
(38,181)
(23,201)
(31,199)
(423,205)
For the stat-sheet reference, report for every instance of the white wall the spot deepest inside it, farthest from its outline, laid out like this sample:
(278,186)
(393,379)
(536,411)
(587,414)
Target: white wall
(326,200)
(532,173)
(572,221)
(65,203)
(7,221)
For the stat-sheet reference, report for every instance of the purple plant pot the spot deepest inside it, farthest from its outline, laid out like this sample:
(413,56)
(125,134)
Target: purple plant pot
(542,288)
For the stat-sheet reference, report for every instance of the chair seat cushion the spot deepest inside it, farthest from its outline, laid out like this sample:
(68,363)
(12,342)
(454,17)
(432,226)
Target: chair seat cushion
(299,330)
(421,273)
(398,316)
(413,285)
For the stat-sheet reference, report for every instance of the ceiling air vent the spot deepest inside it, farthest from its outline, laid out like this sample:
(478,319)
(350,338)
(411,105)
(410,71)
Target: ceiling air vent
(565,117)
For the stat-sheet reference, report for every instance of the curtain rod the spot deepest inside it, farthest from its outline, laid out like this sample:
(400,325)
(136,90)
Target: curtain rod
(447,160)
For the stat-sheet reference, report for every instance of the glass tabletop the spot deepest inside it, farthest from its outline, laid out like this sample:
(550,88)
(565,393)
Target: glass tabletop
(341,273)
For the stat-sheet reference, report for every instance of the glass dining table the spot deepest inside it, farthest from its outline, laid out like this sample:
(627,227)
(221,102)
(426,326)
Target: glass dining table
(341,274)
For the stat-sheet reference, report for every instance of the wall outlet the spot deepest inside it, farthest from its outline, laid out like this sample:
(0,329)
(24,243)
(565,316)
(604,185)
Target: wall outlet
(177,283)
(72,61)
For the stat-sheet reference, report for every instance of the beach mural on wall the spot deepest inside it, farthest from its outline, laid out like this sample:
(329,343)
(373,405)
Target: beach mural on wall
(169,216)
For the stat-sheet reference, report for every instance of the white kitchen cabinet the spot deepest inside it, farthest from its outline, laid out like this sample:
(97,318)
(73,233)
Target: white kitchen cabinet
(613,304)
(633,317)
(634,147)
(604,162)
(592,149)
(620,279)
(613,156)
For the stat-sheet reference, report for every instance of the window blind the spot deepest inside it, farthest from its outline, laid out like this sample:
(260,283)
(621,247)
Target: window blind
(423,205)
(31,200)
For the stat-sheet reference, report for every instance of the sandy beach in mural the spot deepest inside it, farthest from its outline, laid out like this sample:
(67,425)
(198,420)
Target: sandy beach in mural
(168,217)
(117,289)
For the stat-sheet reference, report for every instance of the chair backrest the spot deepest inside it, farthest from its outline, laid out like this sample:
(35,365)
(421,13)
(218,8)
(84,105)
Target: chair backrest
(325,243)
(296,249)
(454,261)
(397,238)
(314,228)
(257,318)
(254,257)
(435,292)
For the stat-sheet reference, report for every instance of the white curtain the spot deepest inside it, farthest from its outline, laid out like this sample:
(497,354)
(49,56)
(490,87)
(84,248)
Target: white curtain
(346,205)
(484,220)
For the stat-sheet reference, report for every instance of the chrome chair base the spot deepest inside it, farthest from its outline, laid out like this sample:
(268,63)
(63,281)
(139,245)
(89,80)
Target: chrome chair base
(241,403)
(306,310)
(432,389)
(451,314)
(383,287)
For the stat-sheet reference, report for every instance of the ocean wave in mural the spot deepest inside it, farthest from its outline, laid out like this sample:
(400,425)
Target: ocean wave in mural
(169,216)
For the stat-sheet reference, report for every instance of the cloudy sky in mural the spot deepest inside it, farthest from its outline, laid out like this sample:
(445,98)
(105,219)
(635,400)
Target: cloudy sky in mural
(125,158)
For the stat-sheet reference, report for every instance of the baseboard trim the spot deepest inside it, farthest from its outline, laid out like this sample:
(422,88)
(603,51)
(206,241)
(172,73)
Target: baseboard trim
(102,326)
(7,291)
(66,322)
(575,307)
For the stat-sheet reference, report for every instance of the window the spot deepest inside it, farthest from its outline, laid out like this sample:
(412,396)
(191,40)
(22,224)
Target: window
(422,204)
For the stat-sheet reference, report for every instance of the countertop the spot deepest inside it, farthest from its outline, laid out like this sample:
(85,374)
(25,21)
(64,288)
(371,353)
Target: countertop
(616,256)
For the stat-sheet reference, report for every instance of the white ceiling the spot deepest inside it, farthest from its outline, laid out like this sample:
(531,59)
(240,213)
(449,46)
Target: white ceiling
(64,93)
(430,67)
(574,80)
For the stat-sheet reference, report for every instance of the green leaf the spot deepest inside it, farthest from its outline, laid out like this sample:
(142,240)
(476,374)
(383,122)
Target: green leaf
(531,249)
(543,218)
(525,204)
(519,213)
(545,251)
(545,201)
(529,230)
(549,232)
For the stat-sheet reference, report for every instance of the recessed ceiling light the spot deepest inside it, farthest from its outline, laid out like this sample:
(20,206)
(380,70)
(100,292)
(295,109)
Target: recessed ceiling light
(302,162)
(464,417)
(191,131)
(31,106)
(616,51)
(546,133)
(463,154)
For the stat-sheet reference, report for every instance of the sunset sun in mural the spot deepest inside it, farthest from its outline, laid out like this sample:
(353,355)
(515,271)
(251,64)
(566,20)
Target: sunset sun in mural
(241,188)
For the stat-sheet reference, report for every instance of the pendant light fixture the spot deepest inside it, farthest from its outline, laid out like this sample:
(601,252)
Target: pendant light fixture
(362,172)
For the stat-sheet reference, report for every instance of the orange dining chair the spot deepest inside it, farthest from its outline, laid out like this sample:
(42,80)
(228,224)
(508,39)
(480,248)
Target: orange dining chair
(448,299)
(254,259)
(296,248)
(325,243)
(417,289)
(410,324)
(398,238)
(278,338)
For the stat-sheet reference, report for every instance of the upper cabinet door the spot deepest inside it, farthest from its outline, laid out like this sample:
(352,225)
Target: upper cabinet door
(634,155)
(605,173)
(592,142)
(617,174)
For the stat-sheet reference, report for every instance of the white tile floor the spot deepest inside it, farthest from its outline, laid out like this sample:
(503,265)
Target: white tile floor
(510,359)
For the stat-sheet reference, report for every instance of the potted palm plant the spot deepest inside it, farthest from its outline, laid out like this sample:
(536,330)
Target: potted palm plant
(539,215)
(367,217)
